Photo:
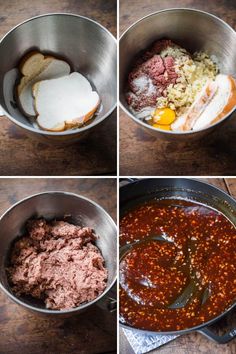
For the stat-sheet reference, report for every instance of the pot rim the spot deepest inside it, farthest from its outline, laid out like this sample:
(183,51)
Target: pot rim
(166,132)
(183,331)
(213,320)
(75,309)
(66,132)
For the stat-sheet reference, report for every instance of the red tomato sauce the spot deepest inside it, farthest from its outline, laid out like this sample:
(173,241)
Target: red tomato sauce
(198,253)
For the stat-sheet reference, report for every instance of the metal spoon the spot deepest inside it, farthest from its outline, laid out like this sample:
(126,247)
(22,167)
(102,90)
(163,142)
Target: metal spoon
(125,248)
(190,290)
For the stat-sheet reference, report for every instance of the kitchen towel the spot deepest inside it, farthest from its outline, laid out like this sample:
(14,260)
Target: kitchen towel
(143,343)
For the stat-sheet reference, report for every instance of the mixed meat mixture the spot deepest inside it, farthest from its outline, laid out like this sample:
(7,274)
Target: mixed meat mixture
(57,262)
(171,89)
(177,265)
(150,78)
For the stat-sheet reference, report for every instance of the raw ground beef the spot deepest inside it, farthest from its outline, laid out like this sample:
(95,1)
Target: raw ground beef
(57,263)
(150,77)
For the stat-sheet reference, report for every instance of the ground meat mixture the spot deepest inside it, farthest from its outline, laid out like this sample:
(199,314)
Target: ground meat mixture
(57,263)
(150,77)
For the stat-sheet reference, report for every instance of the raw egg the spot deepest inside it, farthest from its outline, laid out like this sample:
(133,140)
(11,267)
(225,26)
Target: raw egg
(165,116)
(161,126)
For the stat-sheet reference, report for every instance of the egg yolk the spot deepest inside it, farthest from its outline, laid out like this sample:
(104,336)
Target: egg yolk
(161,126)
(164,116)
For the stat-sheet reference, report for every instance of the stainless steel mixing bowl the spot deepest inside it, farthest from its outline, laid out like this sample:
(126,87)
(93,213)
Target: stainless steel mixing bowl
(194,30)
(89,48)
(56,205)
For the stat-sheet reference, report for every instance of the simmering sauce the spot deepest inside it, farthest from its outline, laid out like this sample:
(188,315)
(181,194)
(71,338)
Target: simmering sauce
(179,268)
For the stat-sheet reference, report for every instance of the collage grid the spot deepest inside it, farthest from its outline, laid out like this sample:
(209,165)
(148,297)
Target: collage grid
(117,148)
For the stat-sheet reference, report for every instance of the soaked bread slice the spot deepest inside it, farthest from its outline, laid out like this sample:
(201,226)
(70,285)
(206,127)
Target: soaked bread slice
(64,103)
(188,119)
(219,103)
(215,100)
(36,67)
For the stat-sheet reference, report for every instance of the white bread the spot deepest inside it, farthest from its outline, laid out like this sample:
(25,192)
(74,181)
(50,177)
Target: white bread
(65,102)
(208,105)
(35,67)
(217,104)
(187,120)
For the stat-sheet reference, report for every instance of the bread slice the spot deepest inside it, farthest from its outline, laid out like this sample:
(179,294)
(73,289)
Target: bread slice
(211,105)
(35,67)
(187,120)
(64,103)
(217,104)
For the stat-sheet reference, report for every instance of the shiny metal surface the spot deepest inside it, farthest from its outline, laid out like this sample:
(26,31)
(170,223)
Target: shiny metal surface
(194,30)
(51,205)
(88,47)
